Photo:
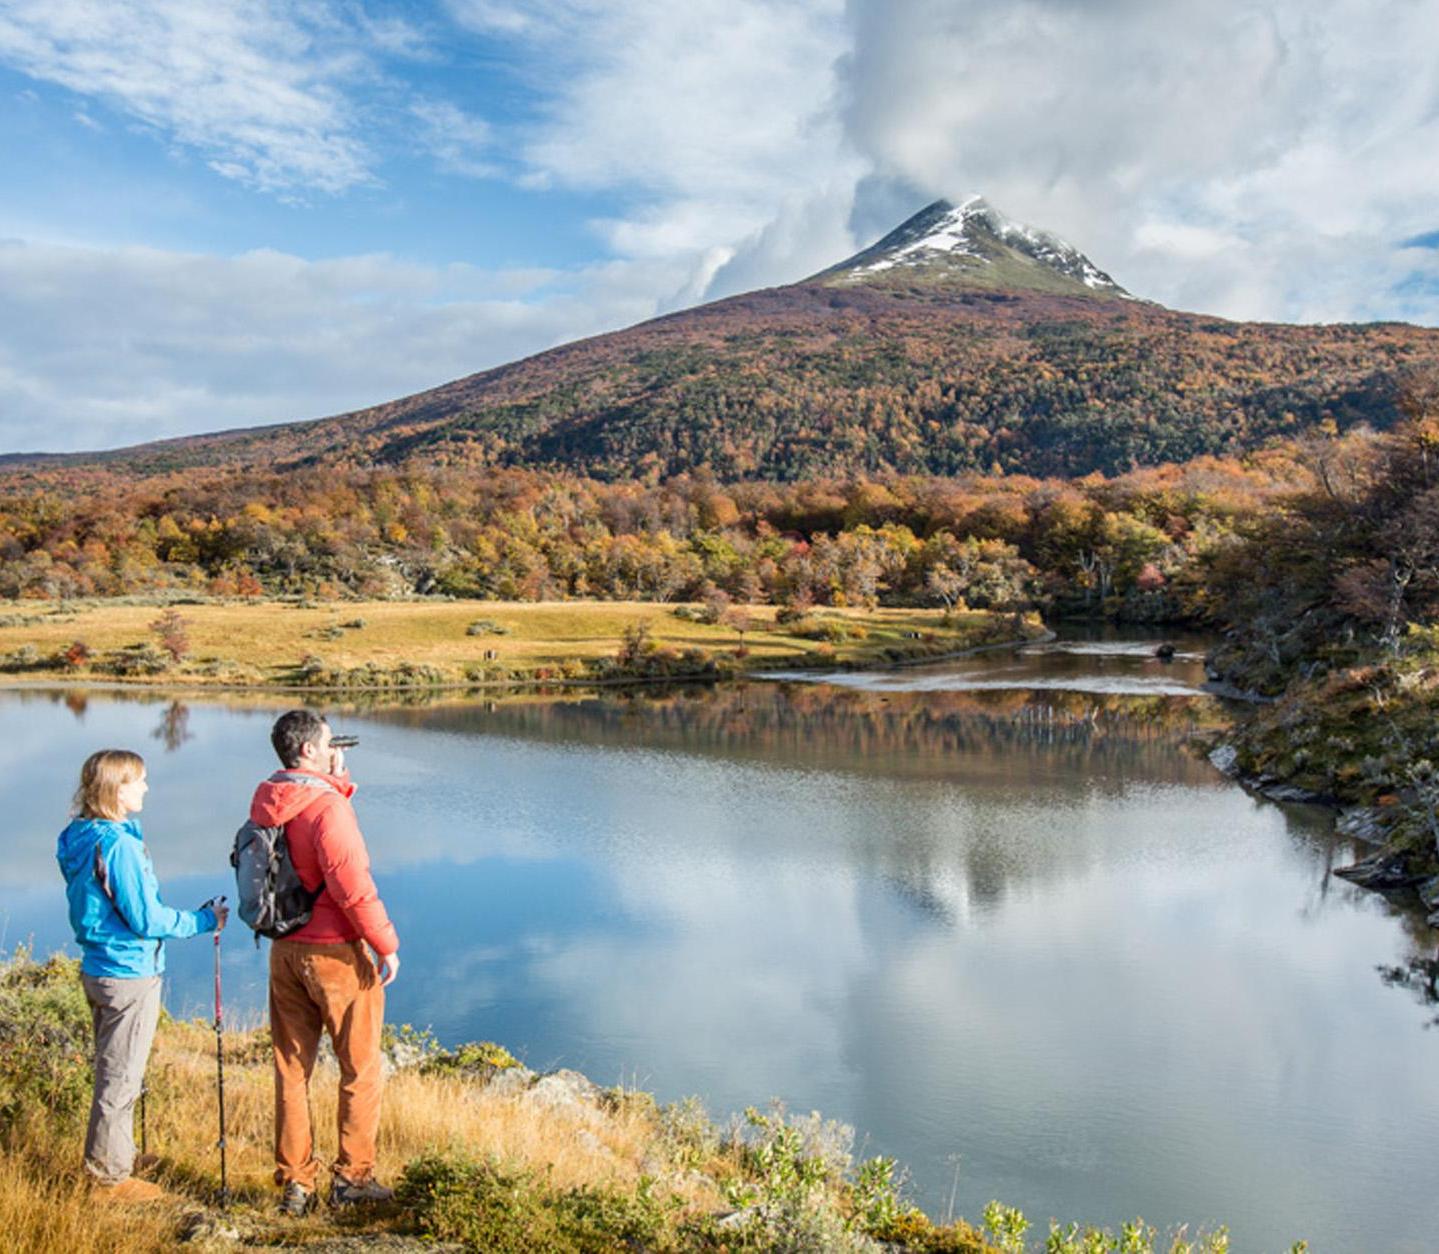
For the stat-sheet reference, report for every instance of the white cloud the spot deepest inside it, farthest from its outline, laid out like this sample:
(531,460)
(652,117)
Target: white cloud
(1245,160)
(246,83)
(1302,134)
(100,348)
(714,120)
(454,137)
(527,18)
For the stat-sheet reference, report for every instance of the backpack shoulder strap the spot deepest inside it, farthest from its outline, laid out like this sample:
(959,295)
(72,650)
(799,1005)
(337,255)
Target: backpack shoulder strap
(305,781)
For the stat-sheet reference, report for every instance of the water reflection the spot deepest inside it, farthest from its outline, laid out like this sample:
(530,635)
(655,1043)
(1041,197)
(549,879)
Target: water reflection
(174,727)
(1100,666)
(1034,930)
(1420,976)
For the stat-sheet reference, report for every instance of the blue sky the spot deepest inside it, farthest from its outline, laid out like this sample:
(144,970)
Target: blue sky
(222,213)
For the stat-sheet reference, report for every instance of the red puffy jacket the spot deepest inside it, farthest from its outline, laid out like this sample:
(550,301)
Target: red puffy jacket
(327,848)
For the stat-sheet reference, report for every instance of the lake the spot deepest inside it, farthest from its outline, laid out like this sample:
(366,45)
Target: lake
(997,914)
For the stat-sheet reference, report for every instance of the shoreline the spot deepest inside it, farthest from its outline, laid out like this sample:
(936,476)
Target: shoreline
(429,647)
(159,685)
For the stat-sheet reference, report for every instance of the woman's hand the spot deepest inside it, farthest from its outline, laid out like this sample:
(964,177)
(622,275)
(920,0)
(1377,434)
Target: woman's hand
(222,912)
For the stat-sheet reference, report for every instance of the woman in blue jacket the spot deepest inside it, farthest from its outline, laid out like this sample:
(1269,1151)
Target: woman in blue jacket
(121,926)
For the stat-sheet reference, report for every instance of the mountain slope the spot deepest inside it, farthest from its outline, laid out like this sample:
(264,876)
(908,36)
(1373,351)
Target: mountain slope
(960,341)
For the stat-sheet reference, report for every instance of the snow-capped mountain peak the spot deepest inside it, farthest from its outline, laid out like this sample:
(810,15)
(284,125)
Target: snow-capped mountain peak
(973,243)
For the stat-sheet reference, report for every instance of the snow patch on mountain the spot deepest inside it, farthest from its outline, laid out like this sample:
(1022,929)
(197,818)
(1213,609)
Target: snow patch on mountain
(971,235)
(950,235)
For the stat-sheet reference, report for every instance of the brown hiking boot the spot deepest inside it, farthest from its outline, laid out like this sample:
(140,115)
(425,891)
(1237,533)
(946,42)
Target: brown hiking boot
(145,1165)
(131,1192)
(358,1192)
(297,1201)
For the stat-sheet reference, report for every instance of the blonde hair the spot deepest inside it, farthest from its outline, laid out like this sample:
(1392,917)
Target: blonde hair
(101,779)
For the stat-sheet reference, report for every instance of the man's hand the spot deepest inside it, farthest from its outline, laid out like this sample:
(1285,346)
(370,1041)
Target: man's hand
(389,968)
(337,761)
(222,912)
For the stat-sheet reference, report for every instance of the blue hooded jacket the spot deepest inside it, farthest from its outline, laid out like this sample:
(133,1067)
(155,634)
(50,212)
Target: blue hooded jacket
(115,907)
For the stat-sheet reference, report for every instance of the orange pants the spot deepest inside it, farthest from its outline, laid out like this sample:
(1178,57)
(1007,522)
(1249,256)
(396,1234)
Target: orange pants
(333,988)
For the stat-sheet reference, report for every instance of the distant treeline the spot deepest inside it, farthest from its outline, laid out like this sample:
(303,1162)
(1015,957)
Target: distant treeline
(1318,547)
(1139,546)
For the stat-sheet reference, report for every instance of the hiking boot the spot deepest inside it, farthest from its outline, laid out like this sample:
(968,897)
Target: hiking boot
(297,1201)
(131,1192)
(145,1165)
(356,1192)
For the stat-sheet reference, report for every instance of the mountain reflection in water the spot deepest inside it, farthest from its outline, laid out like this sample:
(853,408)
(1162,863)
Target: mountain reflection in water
(1000,734)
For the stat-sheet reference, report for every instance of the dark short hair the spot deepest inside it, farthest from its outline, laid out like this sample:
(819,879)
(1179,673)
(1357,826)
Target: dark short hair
(292,731)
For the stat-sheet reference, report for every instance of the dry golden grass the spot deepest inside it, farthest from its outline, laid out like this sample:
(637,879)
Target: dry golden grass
(45,1204)
(270,638)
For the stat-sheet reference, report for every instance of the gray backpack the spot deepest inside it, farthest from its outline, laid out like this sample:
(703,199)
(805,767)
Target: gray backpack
(271,898)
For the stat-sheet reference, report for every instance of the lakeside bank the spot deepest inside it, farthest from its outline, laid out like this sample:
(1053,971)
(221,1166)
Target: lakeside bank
(468,644)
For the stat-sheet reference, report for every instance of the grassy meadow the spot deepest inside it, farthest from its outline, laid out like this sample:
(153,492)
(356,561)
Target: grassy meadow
(440,642)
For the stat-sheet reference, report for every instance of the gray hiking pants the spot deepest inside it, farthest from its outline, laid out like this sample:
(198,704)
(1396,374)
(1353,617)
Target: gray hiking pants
(124,1013)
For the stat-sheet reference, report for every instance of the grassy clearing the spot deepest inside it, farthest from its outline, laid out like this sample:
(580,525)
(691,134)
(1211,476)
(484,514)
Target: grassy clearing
(424,643)
(487,1156)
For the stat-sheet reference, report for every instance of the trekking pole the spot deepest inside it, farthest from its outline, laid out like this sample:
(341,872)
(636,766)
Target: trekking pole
(220,1069)
(144,1140)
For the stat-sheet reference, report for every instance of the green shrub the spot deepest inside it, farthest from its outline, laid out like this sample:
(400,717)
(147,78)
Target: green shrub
(876,1194)
(1006,1226)
(485,1205)
(786,1228)
(830,630)
(45,1039)
(687,1134)
(26,658)
(474,1058)
(599,1221)
(912,1230)
(135,659)
(786,1158)
(311,669)
(1136,1238)
(486,627)
(504,1209)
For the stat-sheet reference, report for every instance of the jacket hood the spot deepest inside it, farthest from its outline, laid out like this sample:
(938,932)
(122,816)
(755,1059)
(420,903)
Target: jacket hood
(76,847)
(278,799)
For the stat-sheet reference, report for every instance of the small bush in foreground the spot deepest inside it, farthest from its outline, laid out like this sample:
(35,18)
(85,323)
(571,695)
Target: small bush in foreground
(475,1058)
(483,1204)
(44,1039)
(506,1209)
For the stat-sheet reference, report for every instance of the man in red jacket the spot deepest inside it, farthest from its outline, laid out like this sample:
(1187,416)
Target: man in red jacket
(322,976)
